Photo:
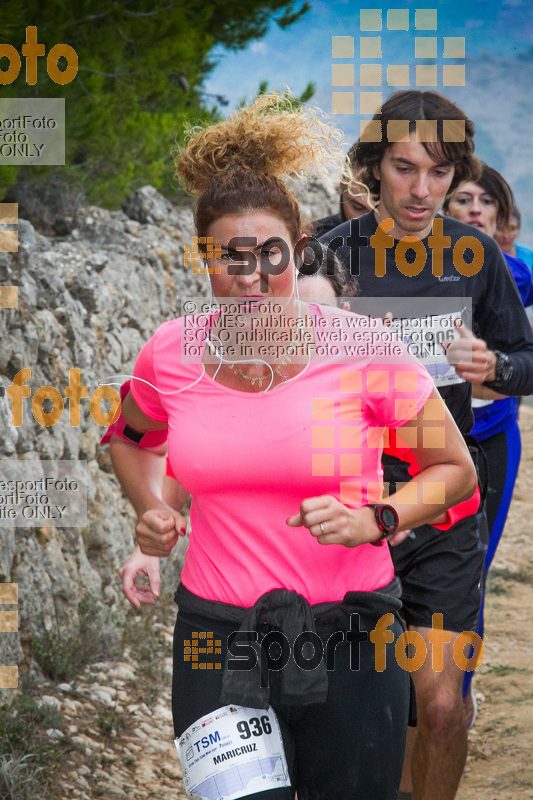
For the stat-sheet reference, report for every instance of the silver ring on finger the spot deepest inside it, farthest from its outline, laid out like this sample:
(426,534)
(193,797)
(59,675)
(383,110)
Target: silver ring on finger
(321,528)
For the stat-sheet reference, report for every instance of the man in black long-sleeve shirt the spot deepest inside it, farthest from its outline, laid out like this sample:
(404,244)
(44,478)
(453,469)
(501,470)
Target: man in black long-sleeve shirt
(440,572)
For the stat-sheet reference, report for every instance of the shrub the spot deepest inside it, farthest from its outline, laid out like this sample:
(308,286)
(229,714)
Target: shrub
(25,748)
(62,656)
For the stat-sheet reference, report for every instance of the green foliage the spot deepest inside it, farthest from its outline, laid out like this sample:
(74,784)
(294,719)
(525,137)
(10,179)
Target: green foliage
(55,656)
(142,64)
(500,580)
(288,19)
(25,748)
(149,646)
(19,777)
(503,670)
(62,656)
(516,576)
(510,731)
(111,723)
(290,102)
(496,585)
(308,92)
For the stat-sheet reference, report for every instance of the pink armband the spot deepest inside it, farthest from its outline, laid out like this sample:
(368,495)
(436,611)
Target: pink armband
(465,509)
(123,430)
(454,514)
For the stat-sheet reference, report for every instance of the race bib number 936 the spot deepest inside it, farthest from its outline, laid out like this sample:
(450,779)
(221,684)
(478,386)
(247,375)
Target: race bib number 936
(231,753)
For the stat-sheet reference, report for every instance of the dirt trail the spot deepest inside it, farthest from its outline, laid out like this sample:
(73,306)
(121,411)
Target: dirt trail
(500,761)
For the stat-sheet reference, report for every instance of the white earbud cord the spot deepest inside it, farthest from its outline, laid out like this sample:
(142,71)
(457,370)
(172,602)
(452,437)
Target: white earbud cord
(118,379)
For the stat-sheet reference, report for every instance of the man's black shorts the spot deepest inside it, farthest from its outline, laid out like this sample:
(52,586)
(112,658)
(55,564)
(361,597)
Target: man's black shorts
(442,572)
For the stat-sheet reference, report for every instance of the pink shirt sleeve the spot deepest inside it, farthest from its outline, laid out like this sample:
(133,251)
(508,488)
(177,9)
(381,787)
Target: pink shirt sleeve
(147,398)
(396,393)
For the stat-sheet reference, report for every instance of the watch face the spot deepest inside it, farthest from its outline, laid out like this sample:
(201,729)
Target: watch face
(389,518)
(504,369)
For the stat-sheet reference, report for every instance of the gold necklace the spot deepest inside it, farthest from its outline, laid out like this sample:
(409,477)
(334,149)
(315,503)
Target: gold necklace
(259,379)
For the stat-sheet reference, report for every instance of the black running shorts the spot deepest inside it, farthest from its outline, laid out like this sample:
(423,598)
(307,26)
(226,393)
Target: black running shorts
(442,572)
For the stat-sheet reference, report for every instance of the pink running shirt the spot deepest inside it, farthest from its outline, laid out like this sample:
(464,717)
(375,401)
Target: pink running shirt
(249,459)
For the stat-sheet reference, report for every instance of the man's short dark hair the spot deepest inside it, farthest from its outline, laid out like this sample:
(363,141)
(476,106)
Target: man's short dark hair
(414,105)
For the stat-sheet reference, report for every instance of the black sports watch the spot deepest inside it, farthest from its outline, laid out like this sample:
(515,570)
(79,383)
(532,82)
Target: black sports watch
(504,369)
(386,520)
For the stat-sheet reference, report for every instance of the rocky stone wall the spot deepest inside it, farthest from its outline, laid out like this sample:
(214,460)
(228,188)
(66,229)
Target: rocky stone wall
(87,300)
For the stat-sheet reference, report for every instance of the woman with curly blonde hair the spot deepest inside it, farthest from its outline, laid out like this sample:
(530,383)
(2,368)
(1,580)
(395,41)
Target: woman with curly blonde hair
(283,678)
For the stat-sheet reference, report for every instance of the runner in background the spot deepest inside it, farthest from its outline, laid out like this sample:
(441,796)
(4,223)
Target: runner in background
(355,200)
(329,284)
(486,204)
(506,236)
(440,573)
